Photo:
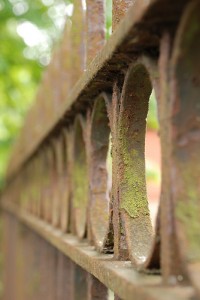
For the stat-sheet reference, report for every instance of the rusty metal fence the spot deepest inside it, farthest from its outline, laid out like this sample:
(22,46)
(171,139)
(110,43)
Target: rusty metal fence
(75,231)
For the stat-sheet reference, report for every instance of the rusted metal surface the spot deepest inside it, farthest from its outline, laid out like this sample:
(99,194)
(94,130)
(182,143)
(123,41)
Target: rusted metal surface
(65,61)
(65,186)
(95,27)
(78,41)
(132,189)
(79,178)
(119,10)
(64,278)
(170,258)
(118,276)
(9,246)
(49,192)
(100,212)
(80,183)
(96,290)
(57,182)
(120,245)
(185,138)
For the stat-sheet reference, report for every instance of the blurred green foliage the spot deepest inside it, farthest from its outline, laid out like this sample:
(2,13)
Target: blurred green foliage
(153,172)
(152,117)
(28,29)
(108,18)
(1,259)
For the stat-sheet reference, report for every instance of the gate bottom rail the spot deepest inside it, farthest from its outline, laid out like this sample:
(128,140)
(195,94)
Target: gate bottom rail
(119,276)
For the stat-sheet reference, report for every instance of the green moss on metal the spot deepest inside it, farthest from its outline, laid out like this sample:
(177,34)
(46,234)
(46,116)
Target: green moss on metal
(133,197)
(80,185)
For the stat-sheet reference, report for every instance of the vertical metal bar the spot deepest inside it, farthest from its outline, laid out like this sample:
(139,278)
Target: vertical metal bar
(33,265)
(51,267)
(95,27)
(80,178)
(120,246)
(120,7)
(59,152)
(54,183)
(20,261)
(100,182)
(70,154)
(50,183)
(64,278)
(184,113)
(9,255)
(43,270)
(65,183)
(170,259)
(55,86)
(43,184)
(78,51)
(48,260)
(39,184)
(28,263)
(80,283)
(96,289)
(65,62)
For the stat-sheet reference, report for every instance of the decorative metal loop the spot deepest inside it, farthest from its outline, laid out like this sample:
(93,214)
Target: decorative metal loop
(40,180)
(59,174)
(80,179)
(132,183)
(48,194)
(185,139)
(64,184)
(55,186)
(101,176)
(35,199)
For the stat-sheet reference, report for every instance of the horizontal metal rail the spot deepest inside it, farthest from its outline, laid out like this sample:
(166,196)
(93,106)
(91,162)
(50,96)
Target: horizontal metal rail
(119,276)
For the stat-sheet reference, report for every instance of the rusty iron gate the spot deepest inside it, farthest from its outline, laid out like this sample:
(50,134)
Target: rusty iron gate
(71,232)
